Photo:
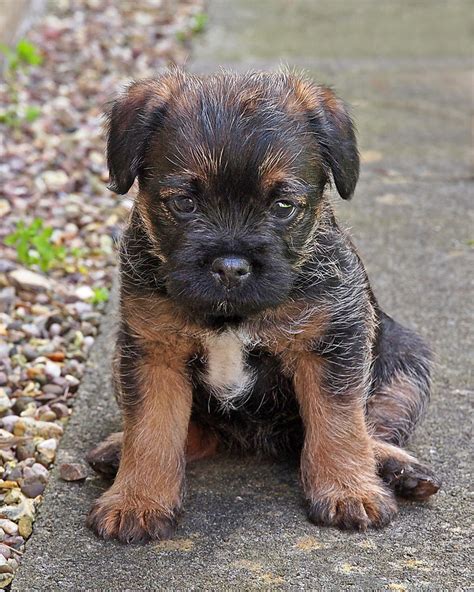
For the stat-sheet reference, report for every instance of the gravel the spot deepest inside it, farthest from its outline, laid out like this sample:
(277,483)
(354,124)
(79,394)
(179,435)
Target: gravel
(53,168)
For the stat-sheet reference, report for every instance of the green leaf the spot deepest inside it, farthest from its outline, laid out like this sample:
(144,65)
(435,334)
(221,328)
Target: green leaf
(28,53)
(199,22)
(101,294)
(32,113)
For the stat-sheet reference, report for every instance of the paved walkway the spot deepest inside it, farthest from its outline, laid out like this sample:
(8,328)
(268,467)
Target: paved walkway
(244,526)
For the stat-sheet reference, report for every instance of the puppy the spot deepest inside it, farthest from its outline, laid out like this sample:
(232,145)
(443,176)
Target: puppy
(247,319)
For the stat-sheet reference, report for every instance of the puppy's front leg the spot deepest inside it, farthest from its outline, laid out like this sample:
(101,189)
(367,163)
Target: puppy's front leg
(156,396)
(338,464)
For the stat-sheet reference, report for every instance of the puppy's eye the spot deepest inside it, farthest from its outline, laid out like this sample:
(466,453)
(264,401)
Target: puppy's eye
(182,205)
(283,209)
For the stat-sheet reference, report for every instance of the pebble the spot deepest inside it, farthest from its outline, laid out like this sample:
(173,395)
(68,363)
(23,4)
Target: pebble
(47,451)
(84,292)
(52,370)
(72,471)
(25,526)
(15,512)
(34,482)
(5,579)
(60,410)
(28,426)
(53,180)
(8,526)
(5,401)
(54,389)
(5,550)
(29,280)
(4,567)
(5,207)
(7,299)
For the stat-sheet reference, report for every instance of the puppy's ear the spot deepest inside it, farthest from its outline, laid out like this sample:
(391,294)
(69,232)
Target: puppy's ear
(131,121)
(334,131)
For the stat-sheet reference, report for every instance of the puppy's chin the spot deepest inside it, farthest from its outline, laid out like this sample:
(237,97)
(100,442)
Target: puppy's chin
(214,306)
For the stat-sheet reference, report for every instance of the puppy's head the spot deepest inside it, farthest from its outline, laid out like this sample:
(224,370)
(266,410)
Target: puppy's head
(231,173)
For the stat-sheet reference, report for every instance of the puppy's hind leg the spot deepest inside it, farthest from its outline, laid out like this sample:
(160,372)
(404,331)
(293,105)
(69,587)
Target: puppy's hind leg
(105,457)
(400,393)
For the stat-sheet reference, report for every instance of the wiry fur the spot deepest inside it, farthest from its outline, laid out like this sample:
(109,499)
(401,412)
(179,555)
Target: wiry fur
(297,359)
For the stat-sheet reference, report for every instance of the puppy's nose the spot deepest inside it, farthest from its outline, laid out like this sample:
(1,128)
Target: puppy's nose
(230,271)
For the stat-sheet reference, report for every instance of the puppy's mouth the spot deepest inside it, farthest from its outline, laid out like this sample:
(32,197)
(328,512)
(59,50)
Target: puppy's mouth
(229,290)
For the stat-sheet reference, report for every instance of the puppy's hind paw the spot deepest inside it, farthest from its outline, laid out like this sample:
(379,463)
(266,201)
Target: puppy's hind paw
(105,457)
(412,481)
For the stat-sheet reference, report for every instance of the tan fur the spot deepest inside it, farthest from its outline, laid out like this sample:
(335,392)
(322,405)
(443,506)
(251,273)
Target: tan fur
(338,463)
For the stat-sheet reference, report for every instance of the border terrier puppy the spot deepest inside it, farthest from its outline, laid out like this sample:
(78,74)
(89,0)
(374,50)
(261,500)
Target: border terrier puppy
(247,319)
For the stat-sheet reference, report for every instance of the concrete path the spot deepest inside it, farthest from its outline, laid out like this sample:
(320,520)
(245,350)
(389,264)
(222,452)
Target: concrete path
(405,67)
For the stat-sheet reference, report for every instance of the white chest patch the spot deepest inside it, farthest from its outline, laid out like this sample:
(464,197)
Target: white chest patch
(227,374)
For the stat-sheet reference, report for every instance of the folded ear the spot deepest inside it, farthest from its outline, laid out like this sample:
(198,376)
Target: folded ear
(334,132)
(133,117)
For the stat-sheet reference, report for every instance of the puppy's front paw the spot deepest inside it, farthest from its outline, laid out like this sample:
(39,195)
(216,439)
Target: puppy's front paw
(113,516)
(354,510)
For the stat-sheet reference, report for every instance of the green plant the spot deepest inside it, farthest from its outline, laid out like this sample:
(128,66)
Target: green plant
(199,22)
(196,26)
(101,294)
(24,56)
(33,245)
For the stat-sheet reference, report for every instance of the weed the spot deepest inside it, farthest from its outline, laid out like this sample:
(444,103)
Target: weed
(24,56)
(34,246)
(101,294)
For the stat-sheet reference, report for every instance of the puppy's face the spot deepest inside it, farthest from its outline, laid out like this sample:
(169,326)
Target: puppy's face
(231,177)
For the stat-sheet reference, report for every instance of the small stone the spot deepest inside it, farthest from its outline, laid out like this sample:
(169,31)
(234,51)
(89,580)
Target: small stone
(3,379)
(8,484)
(4,567)
(60,409)
(72,472)
(4,350)
(47,415)
(29,280)
(5,207)
(15,541)
(5,401)
(8,526)
(5,550)
(57,356)
(27,426)
(14,512)
(30,353)
(29,410)
(53,389)
(33,483)
(31,330)
(72,380)
(55,329)
(25,526)
(47,451)
(8,422)
(53,180)
(84,292)
(25,450)
(7,299)
(52,370)
(14,563)
(5,579)
(14,496)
